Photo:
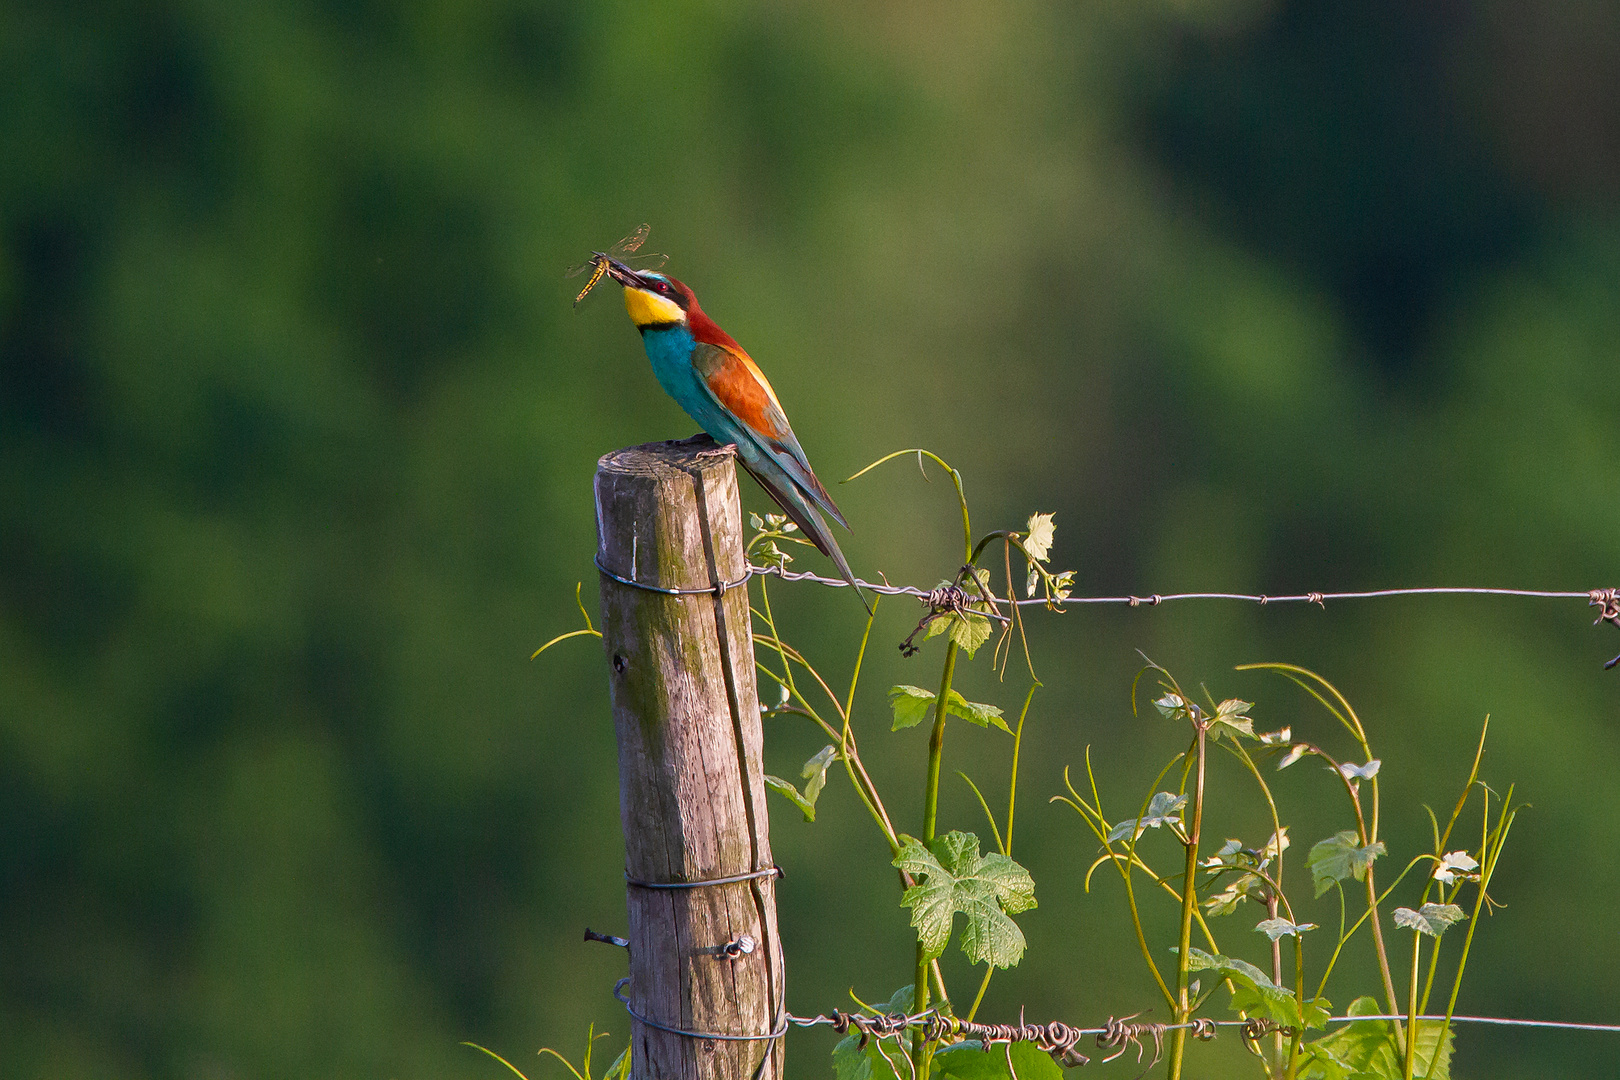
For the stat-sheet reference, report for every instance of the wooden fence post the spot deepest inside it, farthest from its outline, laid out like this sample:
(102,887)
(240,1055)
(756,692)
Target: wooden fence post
(704,957)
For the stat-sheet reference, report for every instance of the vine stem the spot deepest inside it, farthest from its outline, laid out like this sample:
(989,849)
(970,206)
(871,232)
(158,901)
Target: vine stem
(1409,1058)
(936,753)
(1189,903)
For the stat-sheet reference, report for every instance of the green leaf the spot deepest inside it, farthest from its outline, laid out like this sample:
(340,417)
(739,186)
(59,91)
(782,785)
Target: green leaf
(1163,809)
(771,555)
(969,632)
(1247,887)
(1281,928)
(782,787)
(1318,1011)
(1366,1048)
(955,878)
(1038,536)
(913,704)
(1319,1063)
(620,1069)
(1253,992)
(1170,705)
(1232,715)
(1432,919)
(975,712)
(850,1062)
(1351,771)
(1295,752)
(969,1061)
(1272,1002)
(899,1003)
(1456,864)
(1199,960)
(1340,856)
(815,773)
(755,522)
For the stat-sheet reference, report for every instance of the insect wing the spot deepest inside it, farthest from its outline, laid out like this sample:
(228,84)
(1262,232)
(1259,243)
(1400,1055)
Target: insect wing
(632,243)
(589,264)
(624,251)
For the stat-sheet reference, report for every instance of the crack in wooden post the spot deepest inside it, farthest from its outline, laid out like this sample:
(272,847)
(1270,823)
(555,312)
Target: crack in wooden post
(691,785)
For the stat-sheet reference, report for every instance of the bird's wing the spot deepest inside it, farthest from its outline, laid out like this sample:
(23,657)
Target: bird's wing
(738,386)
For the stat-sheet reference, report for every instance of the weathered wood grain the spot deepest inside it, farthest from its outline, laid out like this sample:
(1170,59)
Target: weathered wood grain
(691,793)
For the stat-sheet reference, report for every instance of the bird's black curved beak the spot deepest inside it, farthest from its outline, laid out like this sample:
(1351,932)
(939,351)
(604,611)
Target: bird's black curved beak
(625,276)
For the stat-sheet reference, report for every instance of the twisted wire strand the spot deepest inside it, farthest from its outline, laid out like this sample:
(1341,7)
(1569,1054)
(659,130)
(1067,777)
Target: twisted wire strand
(1607,599)
(1058,1036)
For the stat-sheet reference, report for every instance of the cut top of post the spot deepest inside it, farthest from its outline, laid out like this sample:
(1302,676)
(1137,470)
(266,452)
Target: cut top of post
(638,484)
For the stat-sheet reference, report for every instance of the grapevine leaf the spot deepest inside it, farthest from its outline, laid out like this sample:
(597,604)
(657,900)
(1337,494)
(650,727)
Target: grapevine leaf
(913,704)
(815,773)
(1351,771)
(782,787)
(851,1062)
(1038,538)
(1281,928)
(1455,864)
(1340,856)
(969,632)
(955,878)
(1163,809)
(1253,992)
(968,1061)
(1367,1047)
(1295,752)
(1431,919)
(1170,705)
(1232,716)
(975,712)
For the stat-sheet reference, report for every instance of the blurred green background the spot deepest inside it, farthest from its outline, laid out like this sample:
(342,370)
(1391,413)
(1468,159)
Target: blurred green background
(297,430)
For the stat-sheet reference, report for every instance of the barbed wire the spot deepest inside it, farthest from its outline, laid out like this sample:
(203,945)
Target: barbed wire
(1061,1039)
(938,1025)
(954,597)
(1609,599)
(1118,1033)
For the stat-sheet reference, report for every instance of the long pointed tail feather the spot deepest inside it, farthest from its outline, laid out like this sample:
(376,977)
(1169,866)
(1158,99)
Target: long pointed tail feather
(804,515)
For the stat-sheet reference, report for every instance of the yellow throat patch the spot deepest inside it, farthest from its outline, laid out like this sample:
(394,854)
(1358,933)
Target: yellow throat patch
(647,308)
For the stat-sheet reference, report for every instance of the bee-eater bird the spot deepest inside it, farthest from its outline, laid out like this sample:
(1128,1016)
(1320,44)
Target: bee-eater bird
(719,385)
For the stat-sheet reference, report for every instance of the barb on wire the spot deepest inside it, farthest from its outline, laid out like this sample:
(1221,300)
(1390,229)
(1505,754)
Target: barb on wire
(1256,1028)
(1122,1033)
(1608,603)
(954,598)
